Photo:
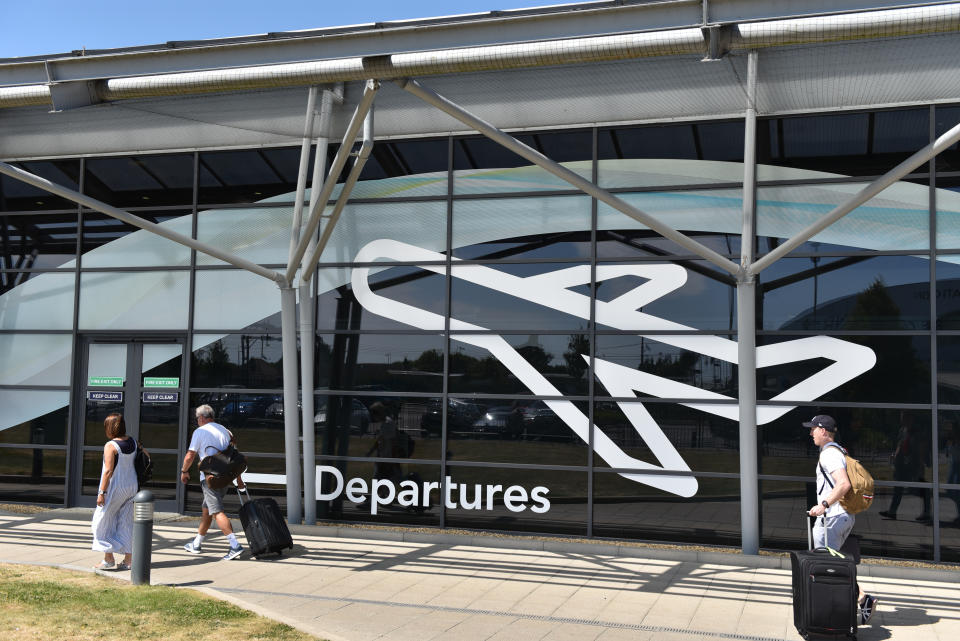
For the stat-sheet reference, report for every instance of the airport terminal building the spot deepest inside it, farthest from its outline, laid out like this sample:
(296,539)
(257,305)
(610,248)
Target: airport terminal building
(579,270)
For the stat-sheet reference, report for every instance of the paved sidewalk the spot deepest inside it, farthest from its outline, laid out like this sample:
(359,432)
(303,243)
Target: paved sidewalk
(346,584)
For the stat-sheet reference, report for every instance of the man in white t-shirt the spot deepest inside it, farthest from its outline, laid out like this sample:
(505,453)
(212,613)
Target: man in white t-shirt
(836,523)
(210,438)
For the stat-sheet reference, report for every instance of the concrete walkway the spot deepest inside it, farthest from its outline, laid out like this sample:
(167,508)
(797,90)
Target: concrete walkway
(346,584)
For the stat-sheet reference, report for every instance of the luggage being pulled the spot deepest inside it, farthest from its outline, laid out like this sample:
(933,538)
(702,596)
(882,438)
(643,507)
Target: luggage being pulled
(264,526)
(824,592)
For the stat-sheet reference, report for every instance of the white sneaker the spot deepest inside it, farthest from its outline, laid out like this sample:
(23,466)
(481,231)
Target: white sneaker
(191,548)
(233,553)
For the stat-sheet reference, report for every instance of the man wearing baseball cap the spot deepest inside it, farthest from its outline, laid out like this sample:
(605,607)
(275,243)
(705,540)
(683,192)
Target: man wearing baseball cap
(832,484)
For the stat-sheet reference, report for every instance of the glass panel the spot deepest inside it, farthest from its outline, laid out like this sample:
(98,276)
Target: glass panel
(141,180)
(165,479)
(660,155)
(948,366)
(237,360)
(947,118)
(421,224)
(949,522)
(16,195)
(517,500)
(256,420)
(249,176)
(555,227)
(857,292)
(483,166)
(32,476)
(235,299)
(418,287)
(38,241)
(511,430)
(352,502)
(707,215)
(134,300)
(94,432)
(893,444)
(668,358)
(626,509)
(687,295)
(897,219)
(258,234)
(947,292)
(161,361)
(853,144)
(159,425)
(497,301)
(901,373)
(33,416)
(558,357)
(404,168)
(784,502)
(375,426)
(108,242)
(948,213)
(703,441)
(35,359)
(388,362)
(107,360)
(44,301)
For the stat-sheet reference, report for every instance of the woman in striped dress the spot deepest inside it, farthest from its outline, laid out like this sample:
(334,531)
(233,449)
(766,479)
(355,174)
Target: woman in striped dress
(113,519)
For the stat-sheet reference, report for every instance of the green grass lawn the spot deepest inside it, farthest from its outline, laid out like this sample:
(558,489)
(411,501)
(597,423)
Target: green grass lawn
(50,603)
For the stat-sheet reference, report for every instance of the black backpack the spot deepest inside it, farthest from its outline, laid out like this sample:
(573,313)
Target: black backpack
(143,464)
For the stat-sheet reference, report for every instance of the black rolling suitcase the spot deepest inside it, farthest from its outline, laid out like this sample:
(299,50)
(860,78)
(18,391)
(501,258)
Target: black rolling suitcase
(824,592)
(264,526)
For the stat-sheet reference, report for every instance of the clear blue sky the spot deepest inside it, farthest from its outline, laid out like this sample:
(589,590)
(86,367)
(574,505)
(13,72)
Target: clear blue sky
(35,27)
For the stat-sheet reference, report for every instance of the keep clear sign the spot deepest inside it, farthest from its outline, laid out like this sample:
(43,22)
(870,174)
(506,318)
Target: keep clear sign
(104,397)
(161,397)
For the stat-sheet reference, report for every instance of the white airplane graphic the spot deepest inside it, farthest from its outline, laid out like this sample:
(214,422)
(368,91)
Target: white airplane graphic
(552,290)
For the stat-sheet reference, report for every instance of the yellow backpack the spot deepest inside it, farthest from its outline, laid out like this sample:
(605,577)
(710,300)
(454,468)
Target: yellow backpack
(860,495)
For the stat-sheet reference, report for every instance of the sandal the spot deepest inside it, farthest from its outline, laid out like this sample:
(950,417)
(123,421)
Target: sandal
(123,566)
(103,565)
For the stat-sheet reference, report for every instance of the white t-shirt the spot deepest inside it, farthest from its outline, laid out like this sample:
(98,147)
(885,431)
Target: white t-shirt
(209,439)
(831,460)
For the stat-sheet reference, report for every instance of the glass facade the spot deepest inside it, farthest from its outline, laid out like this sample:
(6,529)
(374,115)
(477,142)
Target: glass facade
(496,350)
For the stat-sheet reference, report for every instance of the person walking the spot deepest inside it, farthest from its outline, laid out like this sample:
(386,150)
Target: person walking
(112,523)
(210,438)
(835,523)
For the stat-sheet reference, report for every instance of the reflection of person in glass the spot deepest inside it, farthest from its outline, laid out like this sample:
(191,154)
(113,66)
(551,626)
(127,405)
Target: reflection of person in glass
(908,464)
(953,459)
(387,443)
(113,519)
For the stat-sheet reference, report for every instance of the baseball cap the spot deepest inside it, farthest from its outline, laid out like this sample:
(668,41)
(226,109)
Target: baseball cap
(824,421)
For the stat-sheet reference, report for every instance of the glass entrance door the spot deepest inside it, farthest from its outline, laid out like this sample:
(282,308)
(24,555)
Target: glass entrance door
(143,380)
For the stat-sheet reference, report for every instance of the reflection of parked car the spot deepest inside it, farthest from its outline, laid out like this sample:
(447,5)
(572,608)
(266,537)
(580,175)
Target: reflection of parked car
(234,409)
(540,422)
(460,416)
(359,416)
(506,422)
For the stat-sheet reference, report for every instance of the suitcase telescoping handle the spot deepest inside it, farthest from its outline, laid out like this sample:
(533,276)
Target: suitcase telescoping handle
(242,493)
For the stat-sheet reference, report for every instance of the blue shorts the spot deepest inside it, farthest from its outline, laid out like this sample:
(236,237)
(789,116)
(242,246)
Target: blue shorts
(837,530)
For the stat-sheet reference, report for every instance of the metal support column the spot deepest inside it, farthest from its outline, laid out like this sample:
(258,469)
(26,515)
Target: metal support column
(746,329)
(307,337)
(291,423)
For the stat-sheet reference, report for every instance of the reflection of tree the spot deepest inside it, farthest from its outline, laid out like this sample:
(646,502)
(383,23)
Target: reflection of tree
(576,348)
(536,356)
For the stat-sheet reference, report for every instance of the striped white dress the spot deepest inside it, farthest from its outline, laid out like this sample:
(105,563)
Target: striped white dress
(113,522)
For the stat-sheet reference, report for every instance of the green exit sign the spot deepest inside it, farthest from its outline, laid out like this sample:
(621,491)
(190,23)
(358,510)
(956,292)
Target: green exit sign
(151,381)
(105,381)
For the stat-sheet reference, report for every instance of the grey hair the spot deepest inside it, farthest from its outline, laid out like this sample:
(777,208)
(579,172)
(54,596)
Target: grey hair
(206,411)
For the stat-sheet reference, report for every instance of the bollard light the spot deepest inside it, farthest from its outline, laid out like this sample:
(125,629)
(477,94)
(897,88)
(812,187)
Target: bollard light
(142,537)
